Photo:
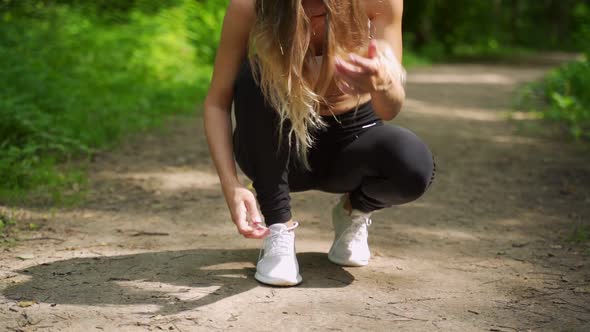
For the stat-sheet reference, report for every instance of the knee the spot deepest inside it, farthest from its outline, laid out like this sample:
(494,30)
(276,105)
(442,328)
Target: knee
(416,180)
(414,186)
(410,164)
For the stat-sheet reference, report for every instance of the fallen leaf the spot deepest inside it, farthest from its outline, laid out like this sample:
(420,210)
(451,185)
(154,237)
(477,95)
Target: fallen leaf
(24,304)
(26,256)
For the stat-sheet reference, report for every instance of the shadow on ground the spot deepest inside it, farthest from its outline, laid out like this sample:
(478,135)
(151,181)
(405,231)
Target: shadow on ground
(176,281)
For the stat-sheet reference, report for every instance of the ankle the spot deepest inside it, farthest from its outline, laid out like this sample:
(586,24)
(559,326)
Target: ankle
(347,204)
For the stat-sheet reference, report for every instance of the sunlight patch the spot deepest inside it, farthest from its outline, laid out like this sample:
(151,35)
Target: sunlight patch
(509,222)
(235,266)
(425,108)
(513,140)
(525,116)
(172,180)
(471,78)
(444,234)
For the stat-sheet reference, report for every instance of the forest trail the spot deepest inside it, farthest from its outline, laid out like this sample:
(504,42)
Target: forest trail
(486,249)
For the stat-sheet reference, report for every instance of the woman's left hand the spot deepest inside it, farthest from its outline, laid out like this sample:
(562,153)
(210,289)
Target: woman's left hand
(377,72)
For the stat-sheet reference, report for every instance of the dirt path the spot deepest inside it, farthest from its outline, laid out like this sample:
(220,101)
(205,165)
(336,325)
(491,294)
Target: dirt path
(484,250)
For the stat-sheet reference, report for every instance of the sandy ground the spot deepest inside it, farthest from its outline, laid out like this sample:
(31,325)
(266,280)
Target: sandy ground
(486,249)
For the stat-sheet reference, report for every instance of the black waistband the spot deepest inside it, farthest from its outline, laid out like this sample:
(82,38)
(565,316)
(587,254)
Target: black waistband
(360,116)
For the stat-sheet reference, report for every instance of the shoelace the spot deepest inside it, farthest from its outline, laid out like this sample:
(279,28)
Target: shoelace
(278,243)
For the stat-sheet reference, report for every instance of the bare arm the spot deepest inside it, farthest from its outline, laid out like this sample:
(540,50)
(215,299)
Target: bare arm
(231,52)
(388,30)
(217,108)
(379,73)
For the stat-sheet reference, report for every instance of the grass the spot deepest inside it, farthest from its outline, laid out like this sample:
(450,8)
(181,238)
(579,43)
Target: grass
(77,80)
(7,229)
(16,223)
(580,234)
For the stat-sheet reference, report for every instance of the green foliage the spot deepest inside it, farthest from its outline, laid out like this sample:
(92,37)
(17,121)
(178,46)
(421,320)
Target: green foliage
(33,226)
(568,92)
(6,223)
(11,230)
(564,96)
(580,234)
(441,29)
(412,59)
(79,76)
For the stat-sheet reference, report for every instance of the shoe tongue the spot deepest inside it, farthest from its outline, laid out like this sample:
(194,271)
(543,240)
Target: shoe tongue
(277,227)
(358,213)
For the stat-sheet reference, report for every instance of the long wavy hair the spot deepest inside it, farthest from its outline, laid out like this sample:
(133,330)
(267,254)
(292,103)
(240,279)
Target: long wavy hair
(281,57)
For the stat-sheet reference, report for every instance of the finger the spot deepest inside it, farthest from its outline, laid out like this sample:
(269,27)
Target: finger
(256,230)
(252,209)
(258,234)
(360,82)
(241,221)
(258,226)
(344,66)
(356,74)
(368,65)
(246,229)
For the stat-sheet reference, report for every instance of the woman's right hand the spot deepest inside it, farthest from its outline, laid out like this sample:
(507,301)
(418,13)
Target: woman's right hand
(244,212)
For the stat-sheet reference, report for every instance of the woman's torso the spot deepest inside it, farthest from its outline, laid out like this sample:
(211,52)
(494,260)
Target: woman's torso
(339,101)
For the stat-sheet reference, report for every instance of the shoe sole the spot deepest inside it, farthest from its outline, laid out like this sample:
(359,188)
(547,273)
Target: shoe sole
(347,262)
(277,282)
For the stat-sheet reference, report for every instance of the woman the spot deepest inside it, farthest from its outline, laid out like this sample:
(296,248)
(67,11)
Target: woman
(311,82)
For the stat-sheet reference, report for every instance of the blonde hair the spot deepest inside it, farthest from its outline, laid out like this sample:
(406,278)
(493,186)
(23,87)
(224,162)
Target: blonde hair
(281,55)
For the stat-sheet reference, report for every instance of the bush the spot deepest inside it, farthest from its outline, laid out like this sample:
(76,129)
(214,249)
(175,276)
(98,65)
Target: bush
(76,78)
(567,89)
(563,95)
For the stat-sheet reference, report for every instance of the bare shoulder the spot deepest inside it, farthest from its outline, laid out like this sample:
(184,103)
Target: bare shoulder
(244,7)
(231,51)
(242,10)
(386,22)
(387,9)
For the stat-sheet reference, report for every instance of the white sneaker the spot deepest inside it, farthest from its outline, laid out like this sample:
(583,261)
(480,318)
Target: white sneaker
(278,265)
(350,247)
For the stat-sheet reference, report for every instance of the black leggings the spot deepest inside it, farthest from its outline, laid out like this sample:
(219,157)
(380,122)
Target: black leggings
(380,165)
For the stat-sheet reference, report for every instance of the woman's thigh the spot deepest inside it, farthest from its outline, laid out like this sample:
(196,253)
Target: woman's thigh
(385,151)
